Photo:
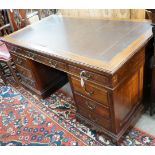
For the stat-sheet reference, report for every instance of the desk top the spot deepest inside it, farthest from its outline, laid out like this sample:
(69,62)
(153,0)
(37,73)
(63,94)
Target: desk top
(101,44)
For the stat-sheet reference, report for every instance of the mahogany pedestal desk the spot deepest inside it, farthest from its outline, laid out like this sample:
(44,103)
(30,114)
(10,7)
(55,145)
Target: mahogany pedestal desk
(104,61)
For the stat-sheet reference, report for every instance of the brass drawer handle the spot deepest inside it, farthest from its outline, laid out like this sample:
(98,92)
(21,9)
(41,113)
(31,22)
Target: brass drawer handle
(85,75)
(19,61)
(92,119)
(91,106)
(13,49)
(50,62)
(31,55)
(53,64)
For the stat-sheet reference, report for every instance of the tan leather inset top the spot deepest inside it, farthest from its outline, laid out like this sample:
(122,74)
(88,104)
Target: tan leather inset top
(98,43)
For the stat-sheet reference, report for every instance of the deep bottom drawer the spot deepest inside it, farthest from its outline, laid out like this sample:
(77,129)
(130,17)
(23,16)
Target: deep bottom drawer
(95,119)
(20,61)
(85,103)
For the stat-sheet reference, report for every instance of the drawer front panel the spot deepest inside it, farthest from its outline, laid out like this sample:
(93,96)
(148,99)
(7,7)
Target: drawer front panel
(26,81)
(20,61)
(47,61)
(14,49)
(24,71)
(98,94)
(51,62)
(94,118)
(93,77)
(95,107)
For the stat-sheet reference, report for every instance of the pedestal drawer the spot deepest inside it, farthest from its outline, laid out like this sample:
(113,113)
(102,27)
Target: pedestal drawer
(24,71)
(95,119)
(93,92)
(20,61)
(93,77)
(83,102)
(27,82)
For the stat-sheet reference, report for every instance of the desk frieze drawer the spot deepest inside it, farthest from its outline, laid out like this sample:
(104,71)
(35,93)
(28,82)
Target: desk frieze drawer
(83,102)
(47,61)
(91,91)
(23,52)
(29,54)
(10,47)
(95,118)
(14,49)
(100,79)
(56,64)
(51,62)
